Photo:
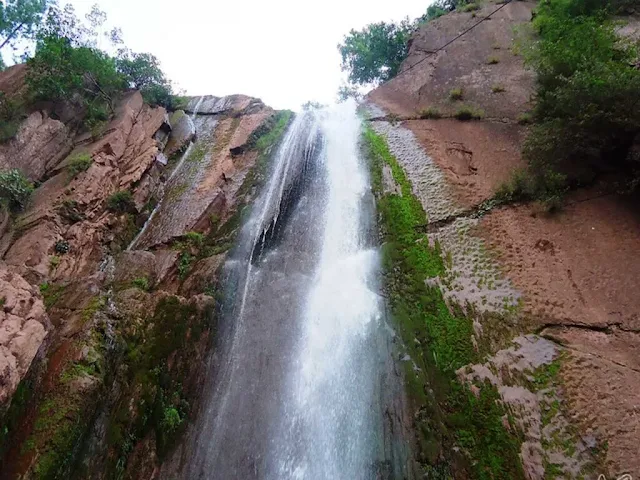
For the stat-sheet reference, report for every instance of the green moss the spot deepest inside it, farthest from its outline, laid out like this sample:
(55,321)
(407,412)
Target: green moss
(438,339)
(51,293)
(156,386)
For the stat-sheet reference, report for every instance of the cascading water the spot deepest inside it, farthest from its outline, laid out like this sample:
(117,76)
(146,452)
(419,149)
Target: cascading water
(302,383)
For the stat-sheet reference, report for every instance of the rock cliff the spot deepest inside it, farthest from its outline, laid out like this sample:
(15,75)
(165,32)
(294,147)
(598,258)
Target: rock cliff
(108,276)
(562,355)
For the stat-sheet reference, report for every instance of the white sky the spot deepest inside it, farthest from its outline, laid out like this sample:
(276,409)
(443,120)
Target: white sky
(282,51)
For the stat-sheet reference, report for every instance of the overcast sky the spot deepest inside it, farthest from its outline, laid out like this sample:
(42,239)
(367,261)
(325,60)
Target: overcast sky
(282,51)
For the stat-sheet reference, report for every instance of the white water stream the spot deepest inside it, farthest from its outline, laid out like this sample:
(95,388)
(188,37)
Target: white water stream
(297,388)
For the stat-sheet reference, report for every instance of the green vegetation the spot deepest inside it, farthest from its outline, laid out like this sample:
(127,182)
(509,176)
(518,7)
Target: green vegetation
(469,7)
(11,115)
(157,363)
(15,189)
(80,162)
(438,339)
(497,88)
(524,118)
(588,87)
(455,94)
(431,112)
(466,113)
(374,54)
(121,202)
(19,20)
(493,60)
(54,261)
(51,293)
(142,283)
(69,69)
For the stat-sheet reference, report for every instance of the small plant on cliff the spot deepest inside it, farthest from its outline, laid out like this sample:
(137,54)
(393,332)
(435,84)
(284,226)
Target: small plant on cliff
(11,115)
(121,202)
(493,60)
(80,162)
(15,189)
(54,261)
(465,113)
(171,419)
(142,283)
(431,112)
(470,7)
(525,118)
(497,88)
(455,94)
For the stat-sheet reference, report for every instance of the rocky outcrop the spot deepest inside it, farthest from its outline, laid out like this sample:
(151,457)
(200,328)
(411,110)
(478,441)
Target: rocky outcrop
(39,146)
(120,159)
(24,325)
(183,131)
(230,105)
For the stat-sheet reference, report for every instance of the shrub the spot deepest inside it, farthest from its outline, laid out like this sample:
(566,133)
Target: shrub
(455,94)
(493,60)
(431,112)
(524,118)
(79,163)
(497,88)
(121,202)
(11,115)
(54,261)
(15,189)
(587,91)
(142,283)
(465,113)
(171,419)
(470,7)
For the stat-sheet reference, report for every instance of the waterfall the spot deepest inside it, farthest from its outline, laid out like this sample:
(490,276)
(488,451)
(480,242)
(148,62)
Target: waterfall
(297,383)
(173,173)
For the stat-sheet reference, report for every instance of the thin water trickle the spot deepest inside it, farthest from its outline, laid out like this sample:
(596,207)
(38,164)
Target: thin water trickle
(298,382)
(178,167)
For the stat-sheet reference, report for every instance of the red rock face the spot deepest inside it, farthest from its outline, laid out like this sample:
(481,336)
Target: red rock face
(24,325)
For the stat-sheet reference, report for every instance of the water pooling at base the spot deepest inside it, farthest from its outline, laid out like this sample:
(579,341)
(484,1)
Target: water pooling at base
(302,377)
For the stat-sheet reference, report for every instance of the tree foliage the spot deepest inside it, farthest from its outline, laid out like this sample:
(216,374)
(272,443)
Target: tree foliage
(69,67)
(588,92)
(19,19)
(374,54)
(142,71)
(15,189)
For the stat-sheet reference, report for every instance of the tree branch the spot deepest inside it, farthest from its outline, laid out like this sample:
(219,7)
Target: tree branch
(11,35)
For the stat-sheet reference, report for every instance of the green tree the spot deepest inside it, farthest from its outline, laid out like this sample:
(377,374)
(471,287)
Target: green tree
(142,71)
(375,53)
(20,19)
(587,94)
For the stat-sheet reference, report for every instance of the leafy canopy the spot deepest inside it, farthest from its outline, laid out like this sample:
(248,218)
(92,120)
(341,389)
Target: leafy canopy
(587,94)
(374,54)
(19,19)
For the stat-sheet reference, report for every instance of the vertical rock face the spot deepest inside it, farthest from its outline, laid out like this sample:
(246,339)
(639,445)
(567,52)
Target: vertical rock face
(24,324)
(571,277)
(80,316)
